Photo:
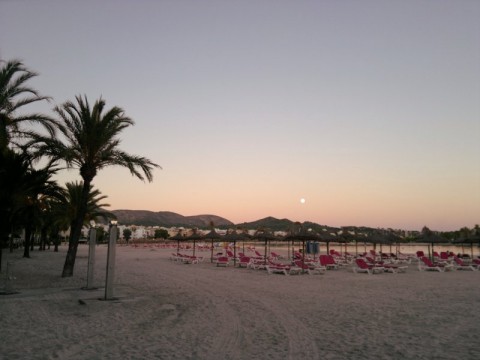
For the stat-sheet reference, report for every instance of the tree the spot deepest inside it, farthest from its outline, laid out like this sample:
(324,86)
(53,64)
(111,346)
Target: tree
(91,144)
(161,234)
(66,208)
(13,166)
(30,199)
(14,95)
(101,235)
(127,234)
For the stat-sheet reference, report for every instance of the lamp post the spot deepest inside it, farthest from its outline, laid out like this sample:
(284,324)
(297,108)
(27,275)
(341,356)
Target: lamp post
(111,261)
(91,255)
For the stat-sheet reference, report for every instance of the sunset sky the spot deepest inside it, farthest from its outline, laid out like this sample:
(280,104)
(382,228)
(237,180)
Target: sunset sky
(369,110)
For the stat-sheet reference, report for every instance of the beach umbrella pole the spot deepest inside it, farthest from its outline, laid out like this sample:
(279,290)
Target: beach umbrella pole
(211,254)
(234,253)
(265,252)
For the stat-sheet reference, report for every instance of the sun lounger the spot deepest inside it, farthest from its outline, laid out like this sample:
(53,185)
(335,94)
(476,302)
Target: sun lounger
(244,261)
(257,264)
(259,255)
(222,261)
(329,262)
(297,255)
(273,269)
(188,259)
(230,254)
(371,261)
(395,268)
(445,256)
(363,267)
(426,264)
(458,264)
(310,268)
(275,255)
(420,254)
(279,268)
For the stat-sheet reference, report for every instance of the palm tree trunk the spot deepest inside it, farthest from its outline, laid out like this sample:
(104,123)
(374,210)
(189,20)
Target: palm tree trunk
(43,238)
(76,231)
(3,133)
(28,239)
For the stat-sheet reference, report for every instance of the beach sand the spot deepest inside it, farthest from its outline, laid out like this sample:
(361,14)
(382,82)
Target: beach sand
(168,310)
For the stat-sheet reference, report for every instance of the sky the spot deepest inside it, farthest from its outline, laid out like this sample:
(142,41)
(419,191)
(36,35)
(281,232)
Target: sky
(368,110)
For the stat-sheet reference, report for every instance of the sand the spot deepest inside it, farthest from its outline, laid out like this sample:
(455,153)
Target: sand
(167,310)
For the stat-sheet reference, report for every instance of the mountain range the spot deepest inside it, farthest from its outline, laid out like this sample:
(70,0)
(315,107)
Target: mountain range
(170,219)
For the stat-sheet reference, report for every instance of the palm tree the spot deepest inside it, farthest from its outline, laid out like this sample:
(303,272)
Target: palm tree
(24,193)
(14,95)
(35,193)
(91,144)
(65,209)
(13,166)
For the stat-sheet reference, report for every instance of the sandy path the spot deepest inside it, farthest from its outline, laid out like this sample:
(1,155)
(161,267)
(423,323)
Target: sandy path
(167,310)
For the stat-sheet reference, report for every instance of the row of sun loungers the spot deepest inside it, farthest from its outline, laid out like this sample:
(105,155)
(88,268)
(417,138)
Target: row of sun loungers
(276,264)
(271,264)
(372,267)
(425,264)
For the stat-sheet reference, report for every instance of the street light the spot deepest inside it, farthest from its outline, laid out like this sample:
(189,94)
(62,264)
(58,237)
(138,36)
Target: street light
(91,255)
(111,260)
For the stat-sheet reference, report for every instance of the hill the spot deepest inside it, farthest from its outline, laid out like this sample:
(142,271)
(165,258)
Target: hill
(167,219)
(275,224)
(270,223)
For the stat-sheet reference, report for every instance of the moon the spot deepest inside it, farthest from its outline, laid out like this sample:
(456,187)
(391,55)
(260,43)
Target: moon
(302,201)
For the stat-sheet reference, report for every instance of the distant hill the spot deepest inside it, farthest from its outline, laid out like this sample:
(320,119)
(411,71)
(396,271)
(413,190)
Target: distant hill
(269,223)
(275,224)
(167,219)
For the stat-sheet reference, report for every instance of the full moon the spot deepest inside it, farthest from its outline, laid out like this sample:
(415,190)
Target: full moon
(302,201)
